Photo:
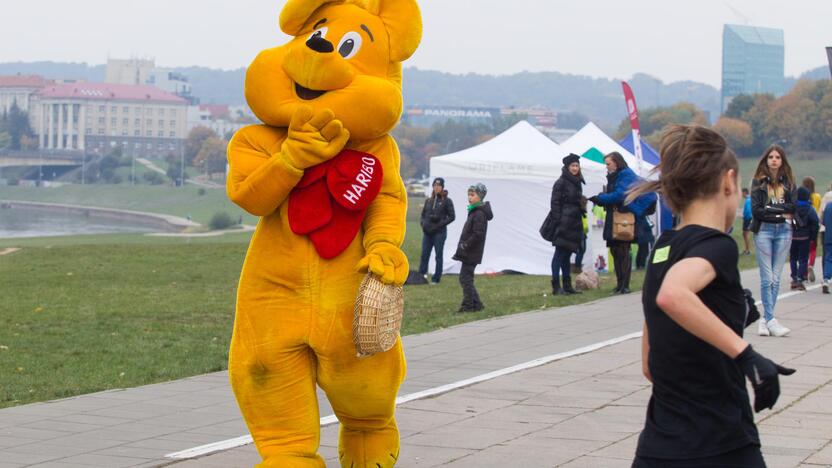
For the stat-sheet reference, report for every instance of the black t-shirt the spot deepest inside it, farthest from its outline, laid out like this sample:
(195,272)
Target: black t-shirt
(699,406)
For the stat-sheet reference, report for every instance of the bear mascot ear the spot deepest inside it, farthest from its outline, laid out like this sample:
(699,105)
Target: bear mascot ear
(401,18)
(403,21)
(297,12)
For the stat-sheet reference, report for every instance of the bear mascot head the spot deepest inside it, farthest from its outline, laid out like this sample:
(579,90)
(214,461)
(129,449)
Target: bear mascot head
(323,175)
(345,56)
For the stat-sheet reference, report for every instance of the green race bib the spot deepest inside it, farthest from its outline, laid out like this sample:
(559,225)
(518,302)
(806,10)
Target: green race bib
(661,254)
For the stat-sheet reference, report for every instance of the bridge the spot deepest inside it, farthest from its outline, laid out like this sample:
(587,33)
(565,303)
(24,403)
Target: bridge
(53,158)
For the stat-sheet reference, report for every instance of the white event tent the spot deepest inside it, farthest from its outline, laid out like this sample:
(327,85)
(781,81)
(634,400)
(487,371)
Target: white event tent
(519,167)
(590,136)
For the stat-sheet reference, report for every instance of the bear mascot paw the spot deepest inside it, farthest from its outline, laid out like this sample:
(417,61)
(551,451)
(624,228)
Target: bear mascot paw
(322,173)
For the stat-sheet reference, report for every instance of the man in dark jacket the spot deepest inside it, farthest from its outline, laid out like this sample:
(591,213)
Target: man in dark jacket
(472,245)
(437,214)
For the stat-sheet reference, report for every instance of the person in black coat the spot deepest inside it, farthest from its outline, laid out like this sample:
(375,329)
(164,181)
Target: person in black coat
(471,246)
(567,216)
(437,214)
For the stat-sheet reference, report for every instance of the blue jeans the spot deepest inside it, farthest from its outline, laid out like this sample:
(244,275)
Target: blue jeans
(560,262)
(827,261)
(430,242)
(772,244)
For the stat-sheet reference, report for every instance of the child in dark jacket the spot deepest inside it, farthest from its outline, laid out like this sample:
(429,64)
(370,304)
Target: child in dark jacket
(806,227)
(471,246)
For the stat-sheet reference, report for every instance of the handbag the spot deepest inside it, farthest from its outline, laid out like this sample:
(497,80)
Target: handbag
(623,226)
(547,230)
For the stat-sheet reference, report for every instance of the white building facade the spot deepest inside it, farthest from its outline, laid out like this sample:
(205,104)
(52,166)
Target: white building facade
(219,118)
(18,89)
(95,117)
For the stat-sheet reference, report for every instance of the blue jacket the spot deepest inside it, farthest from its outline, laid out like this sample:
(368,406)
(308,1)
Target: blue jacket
(827,221)
(746,209)
(616,195)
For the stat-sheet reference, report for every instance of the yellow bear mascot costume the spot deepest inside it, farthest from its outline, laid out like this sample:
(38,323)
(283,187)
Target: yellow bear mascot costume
(323,175)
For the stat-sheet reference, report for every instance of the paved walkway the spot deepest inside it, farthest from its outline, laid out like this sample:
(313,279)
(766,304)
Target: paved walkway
(578,411)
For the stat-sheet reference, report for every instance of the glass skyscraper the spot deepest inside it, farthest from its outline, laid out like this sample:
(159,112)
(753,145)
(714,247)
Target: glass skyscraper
(752,61)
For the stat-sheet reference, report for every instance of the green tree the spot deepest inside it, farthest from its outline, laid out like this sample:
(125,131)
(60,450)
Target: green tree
(212,156)
(17,126)
(175,170)
(196,137)
(738,106)
(572,120)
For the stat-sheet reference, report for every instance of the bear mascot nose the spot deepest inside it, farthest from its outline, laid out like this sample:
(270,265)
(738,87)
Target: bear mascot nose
(319,44)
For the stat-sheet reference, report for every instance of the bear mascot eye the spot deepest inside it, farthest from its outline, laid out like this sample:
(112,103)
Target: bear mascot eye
(319,33)
(350,45)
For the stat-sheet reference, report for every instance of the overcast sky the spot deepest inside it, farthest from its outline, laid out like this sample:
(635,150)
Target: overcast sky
(670,39)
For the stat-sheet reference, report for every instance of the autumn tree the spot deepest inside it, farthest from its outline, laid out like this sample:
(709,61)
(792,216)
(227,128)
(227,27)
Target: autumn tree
(653,121)
(736,132)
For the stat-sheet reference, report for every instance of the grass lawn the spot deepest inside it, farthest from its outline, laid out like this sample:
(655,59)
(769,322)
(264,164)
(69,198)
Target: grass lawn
(88,313)
(820,169)
(179,201)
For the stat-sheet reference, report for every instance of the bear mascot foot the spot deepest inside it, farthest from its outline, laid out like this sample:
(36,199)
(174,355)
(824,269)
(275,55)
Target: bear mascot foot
(369,449)
(292,461)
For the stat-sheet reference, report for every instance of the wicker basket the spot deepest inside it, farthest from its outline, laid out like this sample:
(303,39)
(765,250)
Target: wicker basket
(378,316)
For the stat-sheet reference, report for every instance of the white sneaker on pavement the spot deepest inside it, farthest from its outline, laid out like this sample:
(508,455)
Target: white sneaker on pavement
(762,329)
(776,329)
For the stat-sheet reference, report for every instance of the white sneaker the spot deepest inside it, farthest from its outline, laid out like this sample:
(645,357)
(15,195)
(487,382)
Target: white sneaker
(776,329)
(762,329)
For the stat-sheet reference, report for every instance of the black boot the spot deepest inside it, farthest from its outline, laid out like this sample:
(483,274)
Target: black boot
(567,286)
(556,287)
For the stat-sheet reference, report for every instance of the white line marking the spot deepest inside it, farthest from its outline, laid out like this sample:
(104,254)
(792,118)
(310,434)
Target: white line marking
(331,419)
(431,392)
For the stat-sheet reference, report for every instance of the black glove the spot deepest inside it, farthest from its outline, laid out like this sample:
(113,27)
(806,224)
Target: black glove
(752,314)
(764,377)
(594,200)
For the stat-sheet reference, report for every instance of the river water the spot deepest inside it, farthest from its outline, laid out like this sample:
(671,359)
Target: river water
(16,222)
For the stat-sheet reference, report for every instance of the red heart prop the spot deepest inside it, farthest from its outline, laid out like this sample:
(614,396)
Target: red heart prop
(335,237)
(313,174)
(310,208)
(354,179)
(331,199)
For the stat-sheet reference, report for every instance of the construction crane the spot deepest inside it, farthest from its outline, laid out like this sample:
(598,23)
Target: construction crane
(745,19)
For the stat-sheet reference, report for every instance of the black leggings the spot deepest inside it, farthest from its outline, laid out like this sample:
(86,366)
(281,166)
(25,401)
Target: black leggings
(623,263)
(745,457)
